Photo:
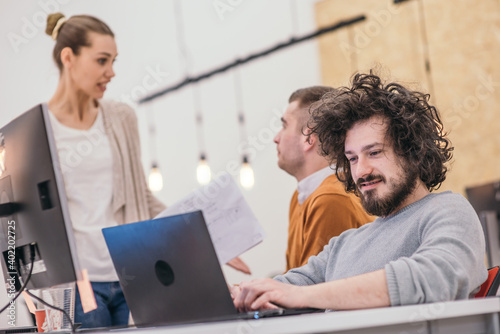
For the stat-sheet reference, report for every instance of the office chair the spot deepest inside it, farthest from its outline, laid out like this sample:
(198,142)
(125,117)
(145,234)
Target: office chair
(490,286)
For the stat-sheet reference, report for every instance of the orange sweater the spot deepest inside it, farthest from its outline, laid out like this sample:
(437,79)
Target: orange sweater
(326,213)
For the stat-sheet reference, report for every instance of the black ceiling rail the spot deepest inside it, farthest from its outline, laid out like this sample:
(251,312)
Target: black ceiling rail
(294,40)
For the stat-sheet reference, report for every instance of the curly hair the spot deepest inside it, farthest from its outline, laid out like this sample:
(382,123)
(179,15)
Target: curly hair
(414,126)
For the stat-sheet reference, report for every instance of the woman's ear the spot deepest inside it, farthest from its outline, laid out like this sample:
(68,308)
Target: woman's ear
(67,57)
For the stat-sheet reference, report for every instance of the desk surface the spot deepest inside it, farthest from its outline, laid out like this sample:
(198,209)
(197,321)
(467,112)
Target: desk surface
(467,316)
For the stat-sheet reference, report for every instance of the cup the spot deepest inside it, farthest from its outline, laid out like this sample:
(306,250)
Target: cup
(42,321)
(63,297)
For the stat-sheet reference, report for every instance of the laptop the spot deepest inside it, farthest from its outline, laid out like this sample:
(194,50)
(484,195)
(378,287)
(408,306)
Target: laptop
(170,274)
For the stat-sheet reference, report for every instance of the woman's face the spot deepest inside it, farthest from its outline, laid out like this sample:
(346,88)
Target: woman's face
(92,69)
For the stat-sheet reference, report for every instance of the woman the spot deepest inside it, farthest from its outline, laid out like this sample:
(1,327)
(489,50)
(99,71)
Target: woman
(99,151)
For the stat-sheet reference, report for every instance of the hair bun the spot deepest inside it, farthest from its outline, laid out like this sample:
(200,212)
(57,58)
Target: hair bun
(52,22)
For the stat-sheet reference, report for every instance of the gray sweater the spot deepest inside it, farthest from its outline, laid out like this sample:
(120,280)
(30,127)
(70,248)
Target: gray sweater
(432,250)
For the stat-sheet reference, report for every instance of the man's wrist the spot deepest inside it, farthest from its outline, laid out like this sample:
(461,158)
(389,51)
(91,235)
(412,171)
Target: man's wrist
(306,296)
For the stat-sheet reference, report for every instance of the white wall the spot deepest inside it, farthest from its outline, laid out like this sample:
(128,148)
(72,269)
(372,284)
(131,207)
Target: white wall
(146,37)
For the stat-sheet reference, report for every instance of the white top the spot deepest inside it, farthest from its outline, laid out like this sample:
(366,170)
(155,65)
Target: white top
(86,165)
(310,183)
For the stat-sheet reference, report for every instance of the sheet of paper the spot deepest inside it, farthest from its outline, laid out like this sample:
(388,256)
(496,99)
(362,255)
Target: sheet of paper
(232,225)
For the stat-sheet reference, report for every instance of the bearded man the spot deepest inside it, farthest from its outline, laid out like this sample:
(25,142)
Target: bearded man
(391,150)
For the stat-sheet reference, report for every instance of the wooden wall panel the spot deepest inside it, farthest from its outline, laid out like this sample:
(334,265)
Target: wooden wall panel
(463,49)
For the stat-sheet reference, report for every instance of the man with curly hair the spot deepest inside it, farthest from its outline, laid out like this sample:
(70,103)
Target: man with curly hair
(390,149)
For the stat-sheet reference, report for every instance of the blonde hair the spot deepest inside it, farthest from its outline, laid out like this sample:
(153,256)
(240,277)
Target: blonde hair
(73,32)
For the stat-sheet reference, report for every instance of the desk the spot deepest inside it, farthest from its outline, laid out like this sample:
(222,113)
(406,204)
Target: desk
(467,316)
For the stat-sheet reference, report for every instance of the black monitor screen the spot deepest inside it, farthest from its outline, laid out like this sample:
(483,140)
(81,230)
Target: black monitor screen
(33,204)
(485,197)
(486,201)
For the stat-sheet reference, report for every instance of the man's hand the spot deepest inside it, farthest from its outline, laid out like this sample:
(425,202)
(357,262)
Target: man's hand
(239,265)
(234,291)
(265,294)
(363,291)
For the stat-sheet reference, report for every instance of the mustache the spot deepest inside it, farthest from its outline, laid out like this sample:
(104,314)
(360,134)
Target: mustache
(369,178)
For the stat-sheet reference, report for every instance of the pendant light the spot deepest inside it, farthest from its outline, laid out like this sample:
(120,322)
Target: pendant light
(247,178)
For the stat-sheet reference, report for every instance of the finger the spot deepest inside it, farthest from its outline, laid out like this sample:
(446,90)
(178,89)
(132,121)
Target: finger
(234,291)
(249,292)
(263,301)
(268,306)
(239,301)
(255,292)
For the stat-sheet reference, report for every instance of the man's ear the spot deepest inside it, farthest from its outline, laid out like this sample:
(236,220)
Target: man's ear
(67,57)
(310,140)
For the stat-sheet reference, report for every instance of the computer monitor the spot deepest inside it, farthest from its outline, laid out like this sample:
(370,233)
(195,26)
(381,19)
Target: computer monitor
(485,197)
(33,208)
(486,201)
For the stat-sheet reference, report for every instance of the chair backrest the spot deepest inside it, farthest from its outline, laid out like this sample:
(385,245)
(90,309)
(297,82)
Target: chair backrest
(490,286)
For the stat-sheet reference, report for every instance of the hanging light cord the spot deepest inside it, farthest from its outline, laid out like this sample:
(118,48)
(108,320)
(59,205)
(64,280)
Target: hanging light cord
(354,55)
(152,134)
(181,38)
(239,105)
(425,42)
(181,43)
(294,17)
(199,119)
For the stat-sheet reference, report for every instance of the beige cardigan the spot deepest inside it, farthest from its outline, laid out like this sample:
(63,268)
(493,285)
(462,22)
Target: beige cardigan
(132,199)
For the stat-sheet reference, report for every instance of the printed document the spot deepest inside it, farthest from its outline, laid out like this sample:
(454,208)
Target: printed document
(232,225)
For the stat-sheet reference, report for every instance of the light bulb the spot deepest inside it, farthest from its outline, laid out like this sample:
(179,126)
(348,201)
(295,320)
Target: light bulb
(155,178)
(203,173)
(247,179)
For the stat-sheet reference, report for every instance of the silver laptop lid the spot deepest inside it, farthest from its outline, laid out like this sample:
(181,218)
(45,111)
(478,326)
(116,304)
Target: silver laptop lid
(168,270)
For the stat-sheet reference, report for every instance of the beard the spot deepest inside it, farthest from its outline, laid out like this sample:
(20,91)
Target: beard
(398,192)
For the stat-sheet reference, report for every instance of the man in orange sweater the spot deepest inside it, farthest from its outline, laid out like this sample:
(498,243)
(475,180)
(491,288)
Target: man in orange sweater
(320,208)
